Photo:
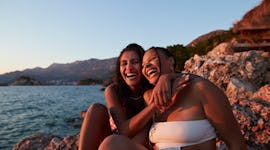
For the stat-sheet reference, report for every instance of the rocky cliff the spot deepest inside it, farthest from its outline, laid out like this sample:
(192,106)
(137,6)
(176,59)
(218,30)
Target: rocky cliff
(256,18)
(254,28)
(245,78)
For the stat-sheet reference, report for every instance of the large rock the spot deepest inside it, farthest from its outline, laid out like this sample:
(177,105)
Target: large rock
(244,77)
(34,142)
(44,141)
(221,67)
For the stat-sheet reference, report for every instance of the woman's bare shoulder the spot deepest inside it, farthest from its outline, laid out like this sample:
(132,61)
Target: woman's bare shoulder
(198,79)
(110,88)
(206,88)
(194,77)
(200,84)
(111,92)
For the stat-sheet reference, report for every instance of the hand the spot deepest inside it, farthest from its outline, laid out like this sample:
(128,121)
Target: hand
(161,94)
(179,84)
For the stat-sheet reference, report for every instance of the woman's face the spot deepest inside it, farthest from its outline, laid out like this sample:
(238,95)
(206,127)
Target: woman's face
(151,66)
(130,68)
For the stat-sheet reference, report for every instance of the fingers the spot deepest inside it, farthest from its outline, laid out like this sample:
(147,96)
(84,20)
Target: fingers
(158,100)
(164,99)
(183,79)
(161,99)
(178,89)
(162,93)
(180,81)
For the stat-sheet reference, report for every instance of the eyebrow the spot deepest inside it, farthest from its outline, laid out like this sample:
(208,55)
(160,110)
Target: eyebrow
(151,58)
(132,59)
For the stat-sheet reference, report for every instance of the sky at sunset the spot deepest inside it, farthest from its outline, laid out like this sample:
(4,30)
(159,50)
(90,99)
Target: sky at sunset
(37,33)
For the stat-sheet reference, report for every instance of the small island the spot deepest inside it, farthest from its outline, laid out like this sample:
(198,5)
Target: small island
(25,80)
(90,81)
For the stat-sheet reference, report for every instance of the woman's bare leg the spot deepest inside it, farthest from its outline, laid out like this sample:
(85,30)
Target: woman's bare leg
(120,142)
(95,127)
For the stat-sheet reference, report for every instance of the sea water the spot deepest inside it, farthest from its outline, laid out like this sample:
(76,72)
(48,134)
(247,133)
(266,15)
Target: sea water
(26,110)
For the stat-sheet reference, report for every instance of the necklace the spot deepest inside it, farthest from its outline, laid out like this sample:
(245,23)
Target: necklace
(135,98)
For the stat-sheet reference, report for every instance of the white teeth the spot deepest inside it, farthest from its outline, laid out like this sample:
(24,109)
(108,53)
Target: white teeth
(151,71)
(131,75)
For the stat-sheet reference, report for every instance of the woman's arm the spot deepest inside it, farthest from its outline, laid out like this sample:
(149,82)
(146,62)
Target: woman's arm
(132,126)
(142,136)
(128,127)
(166,87)
(218,110)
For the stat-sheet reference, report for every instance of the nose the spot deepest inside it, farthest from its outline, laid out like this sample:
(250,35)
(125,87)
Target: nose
(129,66)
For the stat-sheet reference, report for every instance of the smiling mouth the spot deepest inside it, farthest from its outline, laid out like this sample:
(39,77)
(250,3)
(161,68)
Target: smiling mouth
(151,72)
(131,75)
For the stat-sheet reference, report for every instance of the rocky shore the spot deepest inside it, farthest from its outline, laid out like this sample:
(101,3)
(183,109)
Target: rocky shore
(244,77)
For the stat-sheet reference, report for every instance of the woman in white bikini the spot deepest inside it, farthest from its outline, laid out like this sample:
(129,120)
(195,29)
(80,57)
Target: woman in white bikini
(197,113)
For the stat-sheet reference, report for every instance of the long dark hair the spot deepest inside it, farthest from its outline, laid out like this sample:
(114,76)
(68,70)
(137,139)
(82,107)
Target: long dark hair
(122,88)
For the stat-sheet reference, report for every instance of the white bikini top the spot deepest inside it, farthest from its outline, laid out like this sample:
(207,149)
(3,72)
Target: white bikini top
(181,133)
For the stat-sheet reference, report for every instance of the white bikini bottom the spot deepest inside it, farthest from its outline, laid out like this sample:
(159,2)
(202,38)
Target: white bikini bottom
(176,134)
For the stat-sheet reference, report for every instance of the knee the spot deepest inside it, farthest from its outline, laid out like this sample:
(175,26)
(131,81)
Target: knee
(96,107)
(110,142)
(98,111)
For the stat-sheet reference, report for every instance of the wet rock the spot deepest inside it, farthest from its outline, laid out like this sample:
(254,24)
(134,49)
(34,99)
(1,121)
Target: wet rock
(44,141)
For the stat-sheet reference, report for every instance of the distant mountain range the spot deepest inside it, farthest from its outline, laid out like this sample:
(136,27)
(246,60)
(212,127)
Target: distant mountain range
(69,73)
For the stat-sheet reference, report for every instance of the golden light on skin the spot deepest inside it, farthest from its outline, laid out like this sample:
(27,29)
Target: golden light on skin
(156,63)
(151,69)
(130,68)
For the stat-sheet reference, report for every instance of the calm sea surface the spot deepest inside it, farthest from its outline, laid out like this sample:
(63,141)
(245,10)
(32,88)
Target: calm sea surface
(25,110)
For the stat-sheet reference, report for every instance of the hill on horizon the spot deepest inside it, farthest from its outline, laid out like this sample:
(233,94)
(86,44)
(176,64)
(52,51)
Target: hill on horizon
(69,73)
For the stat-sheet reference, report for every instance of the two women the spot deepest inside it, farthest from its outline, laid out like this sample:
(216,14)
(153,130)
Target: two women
(125,103)
(195,116)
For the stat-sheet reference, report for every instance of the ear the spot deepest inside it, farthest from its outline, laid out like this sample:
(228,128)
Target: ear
(171,64)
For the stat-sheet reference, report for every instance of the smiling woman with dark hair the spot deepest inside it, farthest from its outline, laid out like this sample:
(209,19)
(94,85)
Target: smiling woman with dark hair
(196,113)
(125,103)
